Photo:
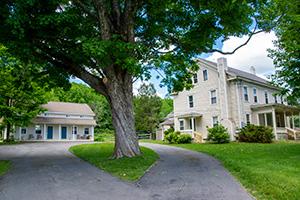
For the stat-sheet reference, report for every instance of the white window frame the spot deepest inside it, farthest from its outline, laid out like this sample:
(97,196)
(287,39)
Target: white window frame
(36,128)
(266,97)
(213,120)
(206,72)
(22,131)
(75,130)
(88,131)
(248,114)
(191,102)
(255,95)
(181,127)
(195,77)
(245,93)
(216,96)
(275,98)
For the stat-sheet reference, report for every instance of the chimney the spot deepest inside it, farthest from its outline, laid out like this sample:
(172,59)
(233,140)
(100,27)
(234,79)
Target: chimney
(252,70)
(222,64)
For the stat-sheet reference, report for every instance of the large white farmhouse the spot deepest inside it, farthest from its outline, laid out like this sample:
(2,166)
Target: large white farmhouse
(232,97)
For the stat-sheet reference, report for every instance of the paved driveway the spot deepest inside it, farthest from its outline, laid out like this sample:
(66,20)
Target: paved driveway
(43,171)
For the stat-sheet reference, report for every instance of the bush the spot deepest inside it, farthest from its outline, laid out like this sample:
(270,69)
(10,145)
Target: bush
(104,135)
(218,134)
(172,137)
(253,133)
(184,139)
(170,130)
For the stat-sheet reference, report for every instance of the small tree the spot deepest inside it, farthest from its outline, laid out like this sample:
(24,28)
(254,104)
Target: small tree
(20,96)
(218,134)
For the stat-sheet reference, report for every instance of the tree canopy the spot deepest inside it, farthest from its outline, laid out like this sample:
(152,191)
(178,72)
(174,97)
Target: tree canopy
(111,43)
(286,55)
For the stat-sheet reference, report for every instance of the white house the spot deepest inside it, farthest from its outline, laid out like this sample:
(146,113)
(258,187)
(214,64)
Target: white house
(234,98)
(61,122)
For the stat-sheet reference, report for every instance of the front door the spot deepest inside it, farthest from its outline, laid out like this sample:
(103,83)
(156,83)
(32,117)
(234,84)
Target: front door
(63,132)
(50,133)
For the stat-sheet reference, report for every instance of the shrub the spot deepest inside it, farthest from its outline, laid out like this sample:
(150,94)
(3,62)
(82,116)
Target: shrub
(218,134)
(184,139)
(170,130)
(254,133)
(172,138)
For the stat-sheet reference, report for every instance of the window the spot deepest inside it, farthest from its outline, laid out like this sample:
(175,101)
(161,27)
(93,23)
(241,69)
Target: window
(191,101)
(191,124)
(38,129)
(181,124)
(23,130)
(281,99)
(275,99)
(215,120)
(86,131)
(205,75)
(195,78)
(246,93)
(254,95)
(266,97)
(248,119)
(74,131)
(213,97)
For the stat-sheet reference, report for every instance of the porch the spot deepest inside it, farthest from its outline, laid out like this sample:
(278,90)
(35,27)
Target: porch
(282,118)
(189,123)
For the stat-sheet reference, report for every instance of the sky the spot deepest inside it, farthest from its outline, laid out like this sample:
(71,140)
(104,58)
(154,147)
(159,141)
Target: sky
(253,54)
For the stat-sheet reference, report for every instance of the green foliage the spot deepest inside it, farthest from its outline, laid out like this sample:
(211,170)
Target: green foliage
(254,133)
(5,165)
(125,168)
(166,107)
(218,134)
(81,93)
(147,106)
(170,130)
(287,50)
(20,91)
(172,137)
(184,139)
(104,135)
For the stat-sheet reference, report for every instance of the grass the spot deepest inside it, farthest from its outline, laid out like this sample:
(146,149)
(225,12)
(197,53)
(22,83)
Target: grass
(130,169)
(9,143)
(104,137)
(5,165)
(268,171)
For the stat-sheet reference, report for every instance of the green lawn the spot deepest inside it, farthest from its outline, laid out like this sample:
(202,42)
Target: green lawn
(130,169)
(4,166)
(268,171)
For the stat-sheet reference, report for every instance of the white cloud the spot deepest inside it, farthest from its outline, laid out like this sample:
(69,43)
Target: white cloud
(253,54)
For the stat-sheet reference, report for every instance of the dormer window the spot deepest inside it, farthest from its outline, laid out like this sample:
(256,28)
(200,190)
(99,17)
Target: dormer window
(205,75)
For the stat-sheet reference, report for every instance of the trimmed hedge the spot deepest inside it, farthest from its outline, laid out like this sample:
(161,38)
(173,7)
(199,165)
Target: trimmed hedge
(178,138)
(254,133)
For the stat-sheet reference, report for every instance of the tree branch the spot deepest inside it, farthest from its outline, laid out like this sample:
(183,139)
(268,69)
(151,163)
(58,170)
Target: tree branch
(103,19)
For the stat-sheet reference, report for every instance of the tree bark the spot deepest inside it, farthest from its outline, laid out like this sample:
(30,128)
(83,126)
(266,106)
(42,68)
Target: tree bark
(120,98)
(8,127)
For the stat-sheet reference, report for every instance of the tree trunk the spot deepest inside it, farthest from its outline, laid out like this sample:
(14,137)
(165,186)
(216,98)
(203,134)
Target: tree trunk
(120,97)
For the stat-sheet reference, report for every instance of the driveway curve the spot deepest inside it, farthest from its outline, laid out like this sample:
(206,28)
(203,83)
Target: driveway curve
(43,171)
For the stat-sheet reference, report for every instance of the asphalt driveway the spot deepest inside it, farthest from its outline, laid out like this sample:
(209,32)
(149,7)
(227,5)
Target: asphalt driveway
(43,171)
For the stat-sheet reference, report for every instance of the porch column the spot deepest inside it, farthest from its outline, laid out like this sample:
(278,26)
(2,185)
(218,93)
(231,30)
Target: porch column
(193,125)
(265,118)
(59,131)
(92,132)
(45,132)
(285,121)
(73,133)
(293,120)
(274,123)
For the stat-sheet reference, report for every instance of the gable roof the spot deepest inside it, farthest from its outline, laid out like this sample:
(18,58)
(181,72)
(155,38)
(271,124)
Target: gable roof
(239,73)
(68,108)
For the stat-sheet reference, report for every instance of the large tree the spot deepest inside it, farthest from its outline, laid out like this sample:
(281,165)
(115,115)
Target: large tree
(286,55)
(111,43)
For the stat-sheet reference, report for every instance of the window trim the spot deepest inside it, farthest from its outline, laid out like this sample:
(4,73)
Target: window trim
(266,94)
(210,94)
(213,117)
(181,127)
(88,131)
(191,103)
(205,74)
(73,130)
(23,128)
(195,77)
(246,94)
(255,98)
(40,129)
(248,122)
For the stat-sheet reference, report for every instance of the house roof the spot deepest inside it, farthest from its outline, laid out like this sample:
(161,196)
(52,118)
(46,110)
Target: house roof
(239,73)
(68,108)
(65,121)
(278,107)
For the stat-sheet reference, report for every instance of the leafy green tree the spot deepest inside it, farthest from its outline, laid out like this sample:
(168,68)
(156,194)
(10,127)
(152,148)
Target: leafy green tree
(110,43)
(286,56)
(20,94)
(80,93)
(147,107)
(166,107)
